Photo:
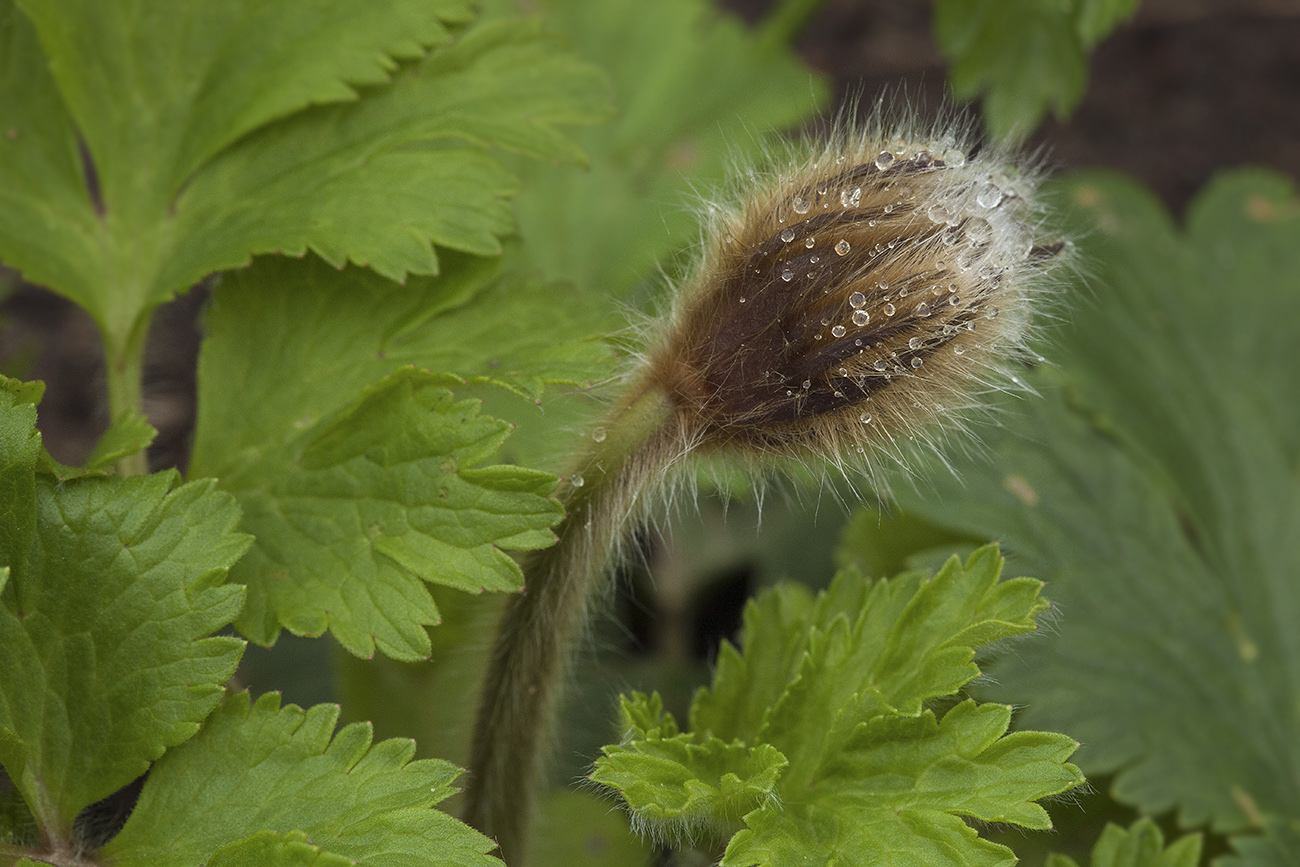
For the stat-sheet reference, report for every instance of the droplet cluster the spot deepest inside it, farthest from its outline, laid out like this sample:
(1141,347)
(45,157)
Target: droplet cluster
(863,286)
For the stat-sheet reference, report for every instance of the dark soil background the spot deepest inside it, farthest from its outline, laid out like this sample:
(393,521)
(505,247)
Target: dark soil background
(1186,88)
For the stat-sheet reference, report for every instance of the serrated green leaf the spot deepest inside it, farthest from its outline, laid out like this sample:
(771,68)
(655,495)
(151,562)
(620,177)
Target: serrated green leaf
(270,849)
(1158,489)
(300,341)
(368,505)
(200,169)
(1141,845)
(1277,845)
(685,783)
(284,770)
(1095,19)
(870,777)
(1024,57)
(125,436)
(113,584)
(610,226)
(897,791)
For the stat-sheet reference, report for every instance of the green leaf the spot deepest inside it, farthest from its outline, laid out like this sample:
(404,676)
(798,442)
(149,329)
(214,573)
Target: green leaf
(1277,845)
(681,782)
(1156,485)
(358,497)
(270,849)
(125,436)
(826,701)
(253,770)
(1025,57)
(201,163)
(610,226)
(1142,845)
(112,586)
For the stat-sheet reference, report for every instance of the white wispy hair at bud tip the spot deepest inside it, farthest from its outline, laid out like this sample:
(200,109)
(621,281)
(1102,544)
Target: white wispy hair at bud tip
(857,294)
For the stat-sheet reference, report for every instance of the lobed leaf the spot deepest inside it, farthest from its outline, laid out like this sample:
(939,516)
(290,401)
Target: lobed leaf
(826,702)
(1141,845)
(1157,486)
(112,586)
(358,473)
(280,784)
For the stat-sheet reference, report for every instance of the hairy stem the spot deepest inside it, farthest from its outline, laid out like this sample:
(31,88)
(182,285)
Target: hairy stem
(539,627)
(124,365)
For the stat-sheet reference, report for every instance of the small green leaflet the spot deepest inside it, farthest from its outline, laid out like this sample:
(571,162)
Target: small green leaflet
(1165,505)
(112,586)
(262,784)
(1023,56)
(368,145)
(1142,845)
(358,472)
(826,701)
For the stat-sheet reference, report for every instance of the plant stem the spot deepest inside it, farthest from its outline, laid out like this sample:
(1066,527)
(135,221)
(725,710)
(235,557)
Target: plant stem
(529,661)
(124,365)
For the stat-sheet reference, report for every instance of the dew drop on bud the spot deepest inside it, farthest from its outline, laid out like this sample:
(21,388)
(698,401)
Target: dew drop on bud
(889,309)
(880,365)
(923,309)
(576,480)
(807,383)
(842,248)
(959,350)
(989,197)
(914,343)
(787,275)
(838,331)
(851,198)
(856,300)
(598,435)
(865,417)
(884,160)
(801,205)
(809,242)
(787,235)
(916,362)
(861,317)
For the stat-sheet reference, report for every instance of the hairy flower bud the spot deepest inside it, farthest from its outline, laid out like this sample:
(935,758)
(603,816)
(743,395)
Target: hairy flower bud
(855,297)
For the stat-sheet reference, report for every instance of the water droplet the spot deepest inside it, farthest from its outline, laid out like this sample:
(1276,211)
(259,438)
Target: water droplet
(858,342)
(814,259)
(807,383)
(809,242)
(742,299)
(880,365)
(838,331)
(989,197)
(923,309)
(844,371)
(991,313)
(950,237)
(888,209)
(857,300)
(963,262)
(787,235)
(826,322)
(938,213)
(861,318)
(883,285)
(801,205)
(839,393)
(851,198)
(787,275)
(576,480)
(865,418)
(916,362)
(902,292)
(842,247)
(598,435)
(978,230)
(987,271)
(939,264)
(954,300)
(923,159)
(959,350)
(889,309)
(884,160)
(914,343)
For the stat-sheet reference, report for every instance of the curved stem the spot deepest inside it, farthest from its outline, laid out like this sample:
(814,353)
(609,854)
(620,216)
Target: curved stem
(124,365)
(538,629)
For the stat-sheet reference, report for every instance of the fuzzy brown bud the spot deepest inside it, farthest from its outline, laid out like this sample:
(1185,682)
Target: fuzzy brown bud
(854,298)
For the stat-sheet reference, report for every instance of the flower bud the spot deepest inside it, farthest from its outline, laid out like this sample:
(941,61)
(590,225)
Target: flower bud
(855,297)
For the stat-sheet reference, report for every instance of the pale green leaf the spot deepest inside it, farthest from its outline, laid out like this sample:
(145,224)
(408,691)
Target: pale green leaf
(609,226)
(271,849)
(1156,486)
(1024,57)
(1277,844)
(284,770)
(200,163)
(113,584)
(125,436)
(1141,845)
(357,500)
